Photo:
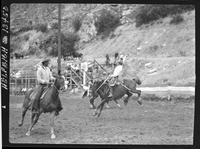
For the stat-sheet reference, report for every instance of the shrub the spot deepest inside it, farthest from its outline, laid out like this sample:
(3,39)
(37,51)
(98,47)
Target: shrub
(54,25)
(25,29)
(26,37)
(15,43)
(22,29)
(176,19)
(154,12)
(68,41)
(32,50)
(106,22)
(76,23)
(41,27)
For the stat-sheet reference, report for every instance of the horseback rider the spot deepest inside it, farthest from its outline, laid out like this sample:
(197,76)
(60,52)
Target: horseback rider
(114,77)
(44,76)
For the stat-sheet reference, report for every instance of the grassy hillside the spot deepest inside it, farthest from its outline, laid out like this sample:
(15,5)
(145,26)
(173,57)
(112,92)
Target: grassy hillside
(159,52)
(169,48)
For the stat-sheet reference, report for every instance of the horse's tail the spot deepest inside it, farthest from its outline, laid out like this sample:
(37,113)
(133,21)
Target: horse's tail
(85,94)
(137,80)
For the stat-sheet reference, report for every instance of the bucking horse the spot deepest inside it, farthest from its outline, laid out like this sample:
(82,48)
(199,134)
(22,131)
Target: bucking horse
(49,103)
(124,87)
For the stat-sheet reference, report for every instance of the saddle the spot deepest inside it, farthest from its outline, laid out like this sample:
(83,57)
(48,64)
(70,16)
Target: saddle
(34,93)
(44,92)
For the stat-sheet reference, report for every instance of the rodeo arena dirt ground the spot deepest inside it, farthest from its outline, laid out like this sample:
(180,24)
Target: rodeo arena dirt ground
(157,121)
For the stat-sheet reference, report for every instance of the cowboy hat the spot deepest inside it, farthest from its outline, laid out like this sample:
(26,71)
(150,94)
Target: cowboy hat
(120,63)
(45,60)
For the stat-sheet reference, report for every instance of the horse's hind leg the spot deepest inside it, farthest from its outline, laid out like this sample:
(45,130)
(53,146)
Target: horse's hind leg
(139,100)
(127,98)
(23,115)
(34,119)
(25,107)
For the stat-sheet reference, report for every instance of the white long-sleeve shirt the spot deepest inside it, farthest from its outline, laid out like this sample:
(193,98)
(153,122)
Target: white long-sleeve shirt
(44,75)
(117,71)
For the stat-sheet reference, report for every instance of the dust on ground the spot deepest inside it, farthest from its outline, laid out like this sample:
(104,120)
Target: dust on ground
(156,122)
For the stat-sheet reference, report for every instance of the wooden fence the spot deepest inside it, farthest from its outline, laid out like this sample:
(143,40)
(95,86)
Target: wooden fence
(19,85)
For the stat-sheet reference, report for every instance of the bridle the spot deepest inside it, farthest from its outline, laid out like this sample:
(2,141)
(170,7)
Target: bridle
(56,87)
(101,85)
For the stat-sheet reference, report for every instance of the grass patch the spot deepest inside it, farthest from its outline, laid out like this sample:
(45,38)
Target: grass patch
(148,13)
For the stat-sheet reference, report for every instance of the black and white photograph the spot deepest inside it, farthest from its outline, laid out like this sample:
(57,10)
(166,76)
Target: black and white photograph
(101,73)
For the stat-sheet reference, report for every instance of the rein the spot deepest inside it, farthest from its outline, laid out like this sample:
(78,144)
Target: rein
(101,84)
(55,88)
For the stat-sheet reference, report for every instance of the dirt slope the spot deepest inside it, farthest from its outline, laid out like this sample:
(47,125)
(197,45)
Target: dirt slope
(170,50)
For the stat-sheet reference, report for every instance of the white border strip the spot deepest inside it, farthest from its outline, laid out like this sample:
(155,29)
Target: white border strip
(169,88)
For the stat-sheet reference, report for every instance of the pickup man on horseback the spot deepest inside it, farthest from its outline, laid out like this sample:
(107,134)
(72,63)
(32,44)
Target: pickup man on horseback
(44,76)
(114,77)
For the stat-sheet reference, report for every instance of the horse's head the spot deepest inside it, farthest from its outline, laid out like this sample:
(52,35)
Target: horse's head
(60,82)
(137,80)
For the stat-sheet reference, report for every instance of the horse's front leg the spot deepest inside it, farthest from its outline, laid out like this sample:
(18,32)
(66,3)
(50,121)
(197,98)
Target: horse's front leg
(117,103)
(52,117)
(139,100)
(99,107)
(92,106)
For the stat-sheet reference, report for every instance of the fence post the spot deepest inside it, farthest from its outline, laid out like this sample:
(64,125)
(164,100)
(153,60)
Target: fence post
(15,85)
(28,82)
(71,78)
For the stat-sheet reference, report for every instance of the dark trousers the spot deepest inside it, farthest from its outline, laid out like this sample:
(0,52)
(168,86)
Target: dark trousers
(112,83)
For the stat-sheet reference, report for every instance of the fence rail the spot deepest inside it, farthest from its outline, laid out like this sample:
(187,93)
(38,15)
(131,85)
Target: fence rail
(27,79)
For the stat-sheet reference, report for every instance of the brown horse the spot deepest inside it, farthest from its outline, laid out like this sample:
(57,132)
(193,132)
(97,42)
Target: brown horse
(50,102)
(126,87)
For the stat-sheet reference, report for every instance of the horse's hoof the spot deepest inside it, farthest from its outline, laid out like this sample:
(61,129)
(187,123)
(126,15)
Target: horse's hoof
(95,113)
(28,133)
(119,106)
(92,107)
(53,136)
(19,124)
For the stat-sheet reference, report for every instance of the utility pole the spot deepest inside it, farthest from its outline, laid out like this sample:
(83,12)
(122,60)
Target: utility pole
(59,39)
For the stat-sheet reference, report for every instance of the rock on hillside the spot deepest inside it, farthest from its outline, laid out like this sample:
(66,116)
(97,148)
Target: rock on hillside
(168,47)
(171,49)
